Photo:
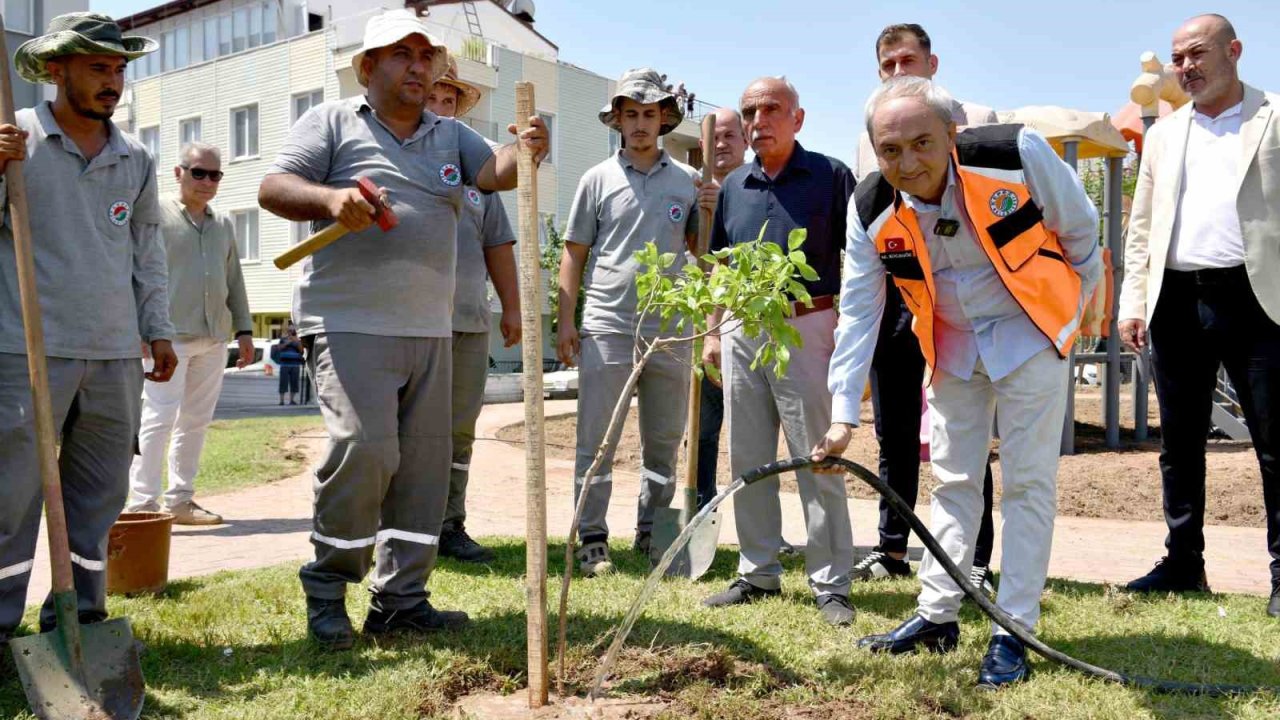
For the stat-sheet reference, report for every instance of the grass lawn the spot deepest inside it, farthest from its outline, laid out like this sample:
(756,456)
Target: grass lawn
(252,451)
(234,646)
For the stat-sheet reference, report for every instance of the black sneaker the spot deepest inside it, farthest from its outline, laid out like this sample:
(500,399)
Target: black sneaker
(328,623)
(739,592)
(878,565)
(643,540)
(1273,607)
(420,618)
(457,544)
(1172,576)
(835,609)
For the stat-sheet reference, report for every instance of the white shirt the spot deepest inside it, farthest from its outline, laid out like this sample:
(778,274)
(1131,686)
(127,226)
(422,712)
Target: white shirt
(1206,231)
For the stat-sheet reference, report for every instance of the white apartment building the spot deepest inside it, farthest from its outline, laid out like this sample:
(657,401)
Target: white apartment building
(238,73)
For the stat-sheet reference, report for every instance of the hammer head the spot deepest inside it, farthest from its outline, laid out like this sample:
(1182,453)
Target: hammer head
(383,216)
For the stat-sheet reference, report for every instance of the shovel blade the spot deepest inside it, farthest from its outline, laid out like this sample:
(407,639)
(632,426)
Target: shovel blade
(693,559)
(109,686)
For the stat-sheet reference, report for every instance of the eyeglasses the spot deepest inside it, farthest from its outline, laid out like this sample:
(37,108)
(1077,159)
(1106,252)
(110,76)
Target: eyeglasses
(201,173)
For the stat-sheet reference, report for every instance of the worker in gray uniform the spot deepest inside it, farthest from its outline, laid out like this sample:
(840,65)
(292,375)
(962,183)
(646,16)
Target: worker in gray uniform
(637,196)
(100,275)
(375,311)
(485,251)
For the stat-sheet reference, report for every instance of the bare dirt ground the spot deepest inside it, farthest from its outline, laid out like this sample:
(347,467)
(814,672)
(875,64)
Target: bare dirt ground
(1121,484)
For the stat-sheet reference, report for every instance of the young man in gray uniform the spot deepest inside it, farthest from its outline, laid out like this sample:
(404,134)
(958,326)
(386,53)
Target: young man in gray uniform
(638,196)
(485,250)
(375,311)
(100,274)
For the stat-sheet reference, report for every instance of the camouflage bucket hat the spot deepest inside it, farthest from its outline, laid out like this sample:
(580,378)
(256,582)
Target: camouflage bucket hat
(643,85)
(468,94)
(78,33)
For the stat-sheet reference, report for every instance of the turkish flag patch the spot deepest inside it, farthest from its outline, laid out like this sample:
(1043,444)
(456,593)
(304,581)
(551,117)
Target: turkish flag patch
(895,244)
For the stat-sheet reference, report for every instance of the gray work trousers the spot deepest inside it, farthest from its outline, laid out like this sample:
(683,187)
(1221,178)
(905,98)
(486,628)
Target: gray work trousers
(470,370)
(96,406)
(605,363)
(757,404)
(380,491)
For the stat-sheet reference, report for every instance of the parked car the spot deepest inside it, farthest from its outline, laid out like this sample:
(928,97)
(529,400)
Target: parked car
(261,357)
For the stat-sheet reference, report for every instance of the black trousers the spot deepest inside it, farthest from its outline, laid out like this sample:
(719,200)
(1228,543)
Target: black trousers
(1203,319)
(897,373)
(710,418)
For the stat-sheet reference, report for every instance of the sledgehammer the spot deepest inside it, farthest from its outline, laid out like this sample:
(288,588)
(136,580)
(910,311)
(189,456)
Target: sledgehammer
(383,216)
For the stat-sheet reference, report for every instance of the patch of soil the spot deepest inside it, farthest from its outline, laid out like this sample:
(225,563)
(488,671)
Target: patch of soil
(1121,484)
(491,706)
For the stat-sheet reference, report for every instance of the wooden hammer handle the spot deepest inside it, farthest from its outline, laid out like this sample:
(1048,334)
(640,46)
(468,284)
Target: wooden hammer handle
(310,246)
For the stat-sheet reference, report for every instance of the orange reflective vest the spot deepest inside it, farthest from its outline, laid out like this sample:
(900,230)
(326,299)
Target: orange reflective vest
(1006,222)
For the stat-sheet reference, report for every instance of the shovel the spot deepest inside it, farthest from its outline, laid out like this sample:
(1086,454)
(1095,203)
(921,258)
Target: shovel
(88,672)
(696,557)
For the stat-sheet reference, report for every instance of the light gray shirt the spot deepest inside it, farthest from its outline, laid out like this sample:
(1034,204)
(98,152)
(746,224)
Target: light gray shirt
(483,225)
(206,288)
(99,259)
(964,114)
(616,210)
(395,283)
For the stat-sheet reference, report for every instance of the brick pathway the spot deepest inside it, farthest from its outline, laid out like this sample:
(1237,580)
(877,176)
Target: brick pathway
(269,524)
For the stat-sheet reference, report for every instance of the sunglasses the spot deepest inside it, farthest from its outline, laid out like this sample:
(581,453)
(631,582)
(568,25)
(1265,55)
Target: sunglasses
(201,173)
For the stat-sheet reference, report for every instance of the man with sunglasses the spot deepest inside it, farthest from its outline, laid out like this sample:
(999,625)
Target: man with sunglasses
(207,302)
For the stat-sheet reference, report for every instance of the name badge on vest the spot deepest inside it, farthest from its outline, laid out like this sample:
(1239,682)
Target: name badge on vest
(896,249)
(946,228)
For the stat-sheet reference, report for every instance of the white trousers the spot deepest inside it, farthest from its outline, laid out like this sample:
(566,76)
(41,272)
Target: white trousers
(1029,405)
(184,408)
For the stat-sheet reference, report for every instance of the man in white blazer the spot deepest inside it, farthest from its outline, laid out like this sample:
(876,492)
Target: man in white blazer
(1202,270)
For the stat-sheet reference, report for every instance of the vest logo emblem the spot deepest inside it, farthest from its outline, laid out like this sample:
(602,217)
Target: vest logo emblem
(1003,202)
(675,212)
(473,196)
(450,175)
(119,213)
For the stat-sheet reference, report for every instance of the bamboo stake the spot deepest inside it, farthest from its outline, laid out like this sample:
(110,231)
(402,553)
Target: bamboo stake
(535,437)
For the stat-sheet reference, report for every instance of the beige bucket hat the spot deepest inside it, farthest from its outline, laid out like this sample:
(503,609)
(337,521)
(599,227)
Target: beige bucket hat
(468,94)
(392,26)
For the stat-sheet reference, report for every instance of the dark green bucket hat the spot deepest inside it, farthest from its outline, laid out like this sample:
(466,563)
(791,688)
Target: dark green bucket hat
(78,33)
(644,85)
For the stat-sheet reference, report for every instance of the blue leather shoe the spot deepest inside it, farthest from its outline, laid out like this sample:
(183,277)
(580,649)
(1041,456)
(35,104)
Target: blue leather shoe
(913,634)
(1004,663)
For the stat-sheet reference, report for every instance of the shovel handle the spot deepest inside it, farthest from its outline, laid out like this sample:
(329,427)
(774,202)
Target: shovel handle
(318,241)
(37,367)
(694,422)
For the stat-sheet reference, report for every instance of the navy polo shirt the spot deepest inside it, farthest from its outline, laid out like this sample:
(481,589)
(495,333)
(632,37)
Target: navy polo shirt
(811,192)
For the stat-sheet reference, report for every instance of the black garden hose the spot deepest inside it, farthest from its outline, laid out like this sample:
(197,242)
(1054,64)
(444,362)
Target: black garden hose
(995,613)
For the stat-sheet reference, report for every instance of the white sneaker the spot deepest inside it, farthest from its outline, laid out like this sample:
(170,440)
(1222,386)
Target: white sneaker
(593,560)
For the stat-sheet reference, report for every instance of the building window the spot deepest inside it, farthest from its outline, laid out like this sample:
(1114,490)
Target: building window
(224,35)
(255,26)
(19,15)
(615,142)
(189,131)
(299,231)
(167,48)
(150,139)
(246,223)
(196,34)
(305,101)
(182,47)
(270,22)
(239,30)
(210,38)
(244,132)
(550,120)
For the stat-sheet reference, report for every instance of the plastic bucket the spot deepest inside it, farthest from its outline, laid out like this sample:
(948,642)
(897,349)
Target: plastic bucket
(138,553)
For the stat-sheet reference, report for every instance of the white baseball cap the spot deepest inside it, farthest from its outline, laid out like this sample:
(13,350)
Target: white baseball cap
(392,26)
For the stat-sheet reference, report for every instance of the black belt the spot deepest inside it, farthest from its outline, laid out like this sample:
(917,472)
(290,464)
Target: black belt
(1209,276)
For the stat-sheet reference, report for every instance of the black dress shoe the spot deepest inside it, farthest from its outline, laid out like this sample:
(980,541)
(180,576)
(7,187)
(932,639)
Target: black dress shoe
(913,634)
(329,625)
(1173,575)
(739,592)
(1273,607)
(1004,663)
(420,618)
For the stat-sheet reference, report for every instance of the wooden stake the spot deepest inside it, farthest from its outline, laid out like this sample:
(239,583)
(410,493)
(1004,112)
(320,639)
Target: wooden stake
(531,291)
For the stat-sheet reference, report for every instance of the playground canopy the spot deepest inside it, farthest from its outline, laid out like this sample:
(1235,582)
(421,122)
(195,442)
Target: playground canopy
(1093,132)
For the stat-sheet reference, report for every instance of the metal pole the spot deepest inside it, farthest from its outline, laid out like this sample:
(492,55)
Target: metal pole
(1113,207)
(1142,366)
(1070,149)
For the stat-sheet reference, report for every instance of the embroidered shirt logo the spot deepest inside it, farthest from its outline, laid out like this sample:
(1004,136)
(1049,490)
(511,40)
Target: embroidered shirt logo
(1003,203)
(450,175)
(119,213)
(675,212)
(473,196)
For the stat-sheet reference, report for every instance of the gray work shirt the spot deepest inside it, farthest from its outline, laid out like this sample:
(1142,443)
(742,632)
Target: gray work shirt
(99,259)
(395,283)
(616,210)
(483,225)
(206,288)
